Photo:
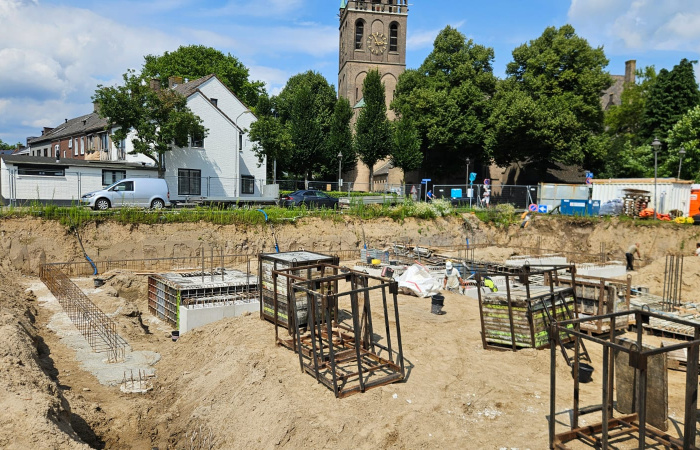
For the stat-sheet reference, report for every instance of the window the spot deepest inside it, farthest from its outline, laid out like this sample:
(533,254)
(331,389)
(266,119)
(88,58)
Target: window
(127,186)
(112,176)
(70,143)
(214,101)
(46,152)
(44,171)
(197,140)
(189,182)
(240,142)
(82,145)
(64,153)
(105,142)
(394,37)
(247,184)
(359,34)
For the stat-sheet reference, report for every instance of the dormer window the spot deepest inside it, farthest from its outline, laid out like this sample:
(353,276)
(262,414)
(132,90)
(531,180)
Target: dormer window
(214,101)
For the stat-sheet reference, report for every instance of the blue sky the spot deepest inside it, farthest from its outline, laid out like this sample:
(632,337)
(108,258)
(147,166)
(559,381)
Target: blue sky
(54,53)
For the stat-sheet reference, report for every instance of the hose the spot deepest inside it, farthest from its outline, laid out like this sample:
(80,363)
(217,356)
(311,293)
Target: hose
(272,229)
(80,241)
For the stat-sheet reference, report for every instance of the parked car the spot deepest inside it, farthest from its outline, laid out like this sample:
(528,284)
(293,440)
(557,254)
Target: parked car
(463,201)
(310,198)
(144,192)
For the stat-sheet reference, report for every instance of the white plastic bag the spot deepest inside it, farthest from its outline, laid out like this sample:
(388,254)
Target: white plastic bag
(418,281)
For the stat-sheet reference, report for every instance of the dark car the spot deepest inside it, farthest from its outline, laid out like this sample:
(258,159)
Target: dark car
(462,201)
(310,198)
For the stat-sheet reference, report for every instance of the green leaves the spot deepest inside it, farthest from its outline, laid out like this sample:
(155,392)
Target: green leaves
(373,141)
(160,118)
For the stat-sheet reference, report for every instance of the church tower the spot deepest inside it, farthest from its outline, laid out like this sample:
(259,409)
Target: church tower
(372,36)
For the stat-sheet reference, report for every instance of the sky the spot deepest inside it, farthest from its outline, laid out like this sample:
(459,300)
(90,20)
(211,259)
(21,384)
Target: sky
(54,53)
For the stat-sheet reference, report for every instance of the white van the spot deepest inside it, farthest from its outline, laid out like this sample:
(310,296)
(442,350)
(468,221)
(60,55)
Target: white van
(144,192)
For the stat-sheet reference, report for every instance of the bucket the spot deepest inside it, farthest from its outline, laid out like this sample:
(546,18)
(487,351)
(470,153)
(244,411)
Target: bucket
(175,335)
(585,372)
(438,301)
(376,262)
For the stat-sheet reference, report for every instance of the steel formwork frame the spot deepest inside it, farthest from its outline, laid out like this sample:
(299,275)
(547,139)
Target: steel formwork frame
(628,424)
(98,329)
(346,359)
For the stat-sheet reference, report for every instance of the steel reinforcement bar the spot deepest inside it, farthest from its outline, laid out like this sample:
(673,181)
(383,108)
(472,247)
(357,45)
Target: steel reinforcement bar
(99,330)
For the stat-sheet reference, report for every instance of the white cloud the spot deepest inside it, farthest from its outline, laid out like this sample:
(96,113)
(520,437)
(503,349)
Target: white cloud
(638,25)
(274,79)
(421,39)
(258,8)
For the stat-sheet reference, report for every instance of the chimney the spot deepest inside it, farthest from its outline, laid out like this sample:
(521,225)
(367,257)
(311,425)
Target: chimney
(155,84)
(174,81)
(630,69)
(66,120)
(46,130)
(95,107)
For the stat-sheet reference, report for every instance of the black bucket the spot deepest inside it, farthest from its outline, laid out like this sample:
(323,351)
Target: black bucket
(585,373)
(175,335)
(437,303)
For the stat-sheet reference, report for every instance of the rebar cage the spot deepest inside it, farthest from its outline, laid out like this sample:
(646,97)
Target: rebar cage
(337,346)
(630,424)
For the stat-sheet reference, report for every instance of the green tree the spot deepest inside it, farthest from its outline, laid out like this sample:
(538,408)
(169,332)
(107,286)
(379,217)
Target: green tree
(299,123)
(161,119)
(670,97)
(270,137)
(626,119)
(549,106)
(373,140)
(340,138)
(6,146)
(196,61)
(448,101)
(406,153)
(686,134)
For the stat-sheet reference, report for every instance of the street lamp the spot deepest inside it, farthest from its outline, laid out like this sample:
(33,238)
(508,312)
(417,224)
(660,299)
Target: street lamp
(681,154)
(340,169)
(656,145)
(467,184)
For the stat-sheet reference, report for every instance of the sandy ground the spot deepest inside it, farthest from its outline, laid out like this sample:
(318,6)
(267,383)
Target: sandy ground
(230,384)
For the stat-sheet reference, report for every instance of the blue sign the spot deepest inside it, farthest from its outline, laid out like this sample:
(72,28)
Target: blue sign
(543,209)
(456,193)
(472,177)
(425,180)
(589,180)
(533,207)
(589,174)
(580,207)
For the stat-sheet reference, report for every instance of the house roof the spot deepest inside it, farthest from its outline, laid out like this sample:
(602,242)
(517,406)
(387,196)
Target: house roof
(70,162)
(77,126)
(7,152)
(191,87)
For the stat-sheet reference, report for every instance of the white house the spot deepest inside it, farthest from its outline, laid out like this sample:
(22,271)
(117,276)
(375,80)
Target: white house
(222,165)
(25,178)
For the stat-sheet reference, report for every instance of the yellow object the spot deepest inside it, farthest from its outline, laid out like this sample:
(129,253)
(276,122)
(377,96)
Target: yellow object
(376,262)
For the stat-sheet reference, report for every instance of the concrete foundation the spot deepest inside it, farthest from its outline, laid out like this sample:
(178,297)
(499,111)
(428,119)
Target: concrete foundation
(198,315)
(608,270)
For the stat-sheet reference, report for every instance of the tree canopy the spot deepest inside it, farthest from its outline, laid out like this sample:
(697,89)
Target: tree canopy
(549,106)
(684,134)
(196,61)
(373,140)
(6,146)
(160,118)
(447,99)
(298,128)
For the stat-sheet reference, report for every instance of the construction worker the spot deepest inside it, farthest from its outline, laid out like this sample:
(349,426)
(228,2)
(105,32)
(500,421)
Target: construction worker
(488,282)
(634,248)
(697,249)
(453,279)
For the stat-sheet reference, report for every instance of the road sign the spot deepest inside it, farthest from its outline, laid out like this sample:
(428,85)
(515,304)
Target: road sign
(589,180)
(542,209)
(533,207)
(487,181)
(413,190)
(472,177)
(425,180)
(589,174)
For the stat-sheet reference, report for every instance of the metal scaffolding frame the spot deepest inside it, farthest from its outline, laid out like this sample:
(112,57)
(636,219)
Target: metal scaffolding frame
(610,426)
(99,330)
(347,359)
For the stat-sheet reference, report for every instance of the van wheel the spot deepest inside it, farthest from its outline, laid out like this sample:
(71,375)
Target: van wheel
(102,204)
(157,204)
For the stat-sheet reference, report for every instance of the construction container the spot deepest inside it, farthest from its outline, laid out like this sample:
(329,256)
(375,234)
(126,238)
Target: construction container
(551,194)
(672,194)
(270,285)
(694,202)
(574,207)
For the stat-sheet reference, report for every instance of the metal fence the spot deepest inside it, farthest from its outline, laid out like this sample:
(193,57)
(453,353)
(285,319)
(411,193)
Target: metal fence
(519,196)
(406,190)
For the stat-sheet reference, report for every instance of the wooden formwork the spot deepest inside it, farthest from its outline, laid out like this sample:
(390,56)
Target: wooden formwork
(596,296)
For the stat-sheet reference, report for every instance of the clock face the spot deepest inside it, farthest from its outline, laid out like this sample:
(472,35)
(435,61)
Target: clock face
(376,43)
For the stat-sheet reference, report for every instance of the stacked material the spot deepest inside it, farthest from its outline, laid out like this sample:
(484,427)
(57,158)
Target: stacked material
(528,315)
(635,201)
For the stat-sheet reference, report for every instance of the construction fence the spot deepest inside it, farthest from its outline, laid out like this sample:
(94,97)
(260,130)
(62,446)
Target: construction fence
(519,196)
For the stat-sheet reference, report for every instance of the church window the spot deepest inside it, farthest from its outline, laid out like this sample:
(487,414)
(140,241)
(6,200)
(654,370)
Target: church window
(359,34)
(394,37)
